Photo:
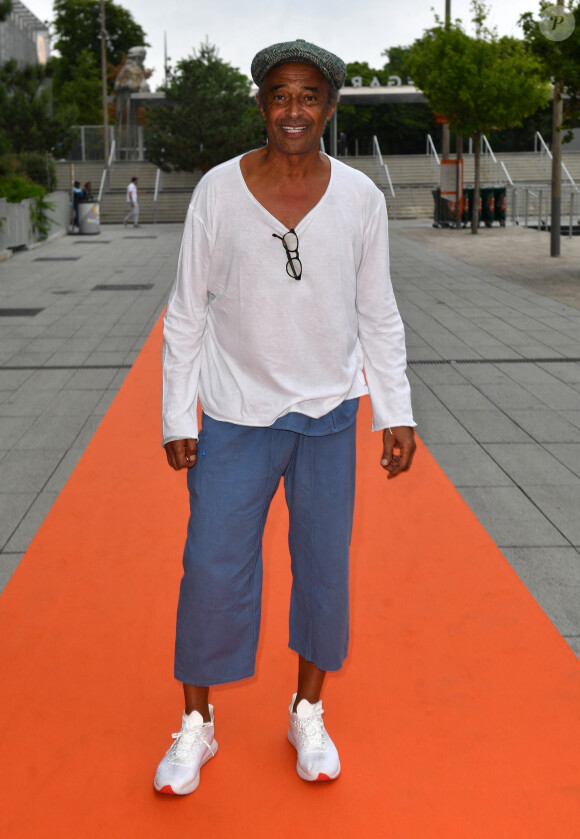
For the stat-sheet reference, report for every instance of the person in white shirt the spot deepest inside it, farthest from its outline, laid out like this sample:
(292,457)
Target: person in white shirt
(132,216)
(282,297)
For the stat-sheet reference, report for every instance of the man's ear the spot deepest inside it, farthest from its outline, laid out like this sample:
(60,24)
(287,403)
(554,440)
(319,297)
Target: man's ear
(261,107)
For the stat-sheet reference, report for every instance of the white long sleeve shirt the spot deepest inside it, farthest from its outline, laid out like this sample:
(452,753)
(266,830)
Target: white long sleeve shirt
(254,344)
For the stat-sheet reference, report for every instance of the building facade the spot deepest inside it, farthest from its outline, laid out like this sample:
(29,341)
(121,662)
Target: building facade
(23,37)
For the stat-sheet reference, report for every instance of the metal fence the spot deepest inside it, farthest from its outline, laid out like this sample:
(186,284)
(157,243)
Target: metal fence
(534,205)
(85,143)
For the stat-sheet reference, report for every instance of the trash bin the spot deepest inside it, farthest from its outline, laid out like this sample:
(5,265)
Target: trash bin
(444,211)
(488,205)
(468,204)
(500,205)
(89,218)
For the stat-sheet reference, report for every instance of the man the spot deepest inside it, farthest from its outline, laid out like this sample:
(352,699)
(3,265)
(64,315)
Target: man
(132,199)
(282,295)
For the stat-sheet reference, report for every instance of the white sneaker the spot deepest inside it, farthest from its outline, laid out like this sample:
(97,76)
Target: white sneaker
(317,755)
(178,772)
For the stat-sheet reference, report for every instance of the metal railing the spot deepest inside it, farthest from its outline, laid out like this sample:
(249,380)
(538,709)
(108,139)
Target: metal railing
(431,151)
(86,143)
(156,195)
(379,158)
(537,198)
(106,176)
(546,155)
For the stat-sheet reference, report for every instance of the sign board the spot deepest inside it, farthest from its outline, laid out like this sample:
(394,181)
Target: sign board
(451,177)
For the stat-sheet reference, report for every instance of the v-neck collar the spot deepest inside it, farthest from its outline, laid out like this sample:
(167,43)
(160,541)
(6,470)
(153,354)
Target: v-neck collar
(303,223)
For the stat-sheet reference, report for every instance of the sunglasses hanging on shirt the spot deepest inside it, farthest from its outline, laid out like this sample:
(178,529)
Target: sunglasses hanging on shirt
(293,264)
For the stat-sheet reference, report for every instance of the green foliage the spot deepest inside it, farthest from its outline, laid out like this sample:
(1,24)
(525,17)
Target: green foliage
(28,120)
(5,9)
(80,87)
(208,118)
(560,61)
(16,188)
(39,168)
(481,83)
(77,25)
(41,222)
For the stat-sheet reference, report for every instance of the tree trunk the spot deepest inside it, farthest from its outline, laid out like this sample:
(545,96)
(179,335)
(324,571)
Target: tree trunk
(475,208)
(556,171)
(459,182)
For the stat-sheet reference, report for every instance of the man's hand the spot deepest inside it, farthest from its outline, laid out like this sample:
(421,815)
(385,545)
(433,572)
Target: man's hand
(401,439)
(181,454)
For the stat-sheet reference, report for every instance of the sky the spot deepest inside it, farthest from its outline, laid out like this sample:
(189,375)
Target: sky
(356,31)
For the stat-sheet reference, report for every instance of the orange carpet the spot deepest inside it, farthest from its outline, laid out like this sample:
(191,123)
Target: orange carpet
(457,714)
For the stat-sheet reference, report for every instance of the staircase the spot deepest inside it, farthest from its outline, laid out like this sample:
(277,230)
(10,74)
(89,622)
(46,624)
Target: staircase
(414,177)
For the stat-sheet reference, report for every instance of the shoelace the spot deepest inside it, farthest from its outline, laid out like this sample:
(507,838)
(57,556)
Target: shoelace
(311,732)
(186,742)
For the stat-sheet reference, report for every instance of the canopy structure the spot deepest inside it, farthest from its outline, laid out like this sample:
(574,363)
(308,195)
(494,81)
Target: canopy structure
(372,95)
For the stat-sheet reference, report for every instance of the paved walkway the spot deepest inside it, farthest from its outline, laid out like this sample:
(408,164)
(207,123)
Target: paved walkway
(494,366)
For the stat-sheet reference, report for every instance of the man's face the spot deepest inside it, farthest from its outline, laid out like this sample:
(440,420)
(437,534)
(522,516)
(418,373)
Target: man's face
(295,107)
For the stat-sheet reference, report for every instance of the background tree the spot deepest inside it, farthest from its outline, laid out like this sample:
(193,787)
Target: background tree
(560,60)
(77,26)
(209,116)
(77,71)
(479,83)
(28,122)
(5,9)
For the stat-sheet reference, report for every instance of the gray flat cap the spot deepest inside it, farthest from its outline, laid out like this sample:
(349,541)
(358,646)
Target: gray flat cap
(331,66)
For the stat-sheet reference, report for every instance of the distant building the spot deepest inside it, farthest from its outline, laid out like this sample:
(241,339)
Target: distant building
(23,37)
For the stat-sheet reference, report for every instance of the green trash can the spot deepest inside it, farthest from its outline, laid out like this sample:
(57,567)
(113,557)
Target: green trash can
(468,204)
(444,211)
(500,205)
(488,205)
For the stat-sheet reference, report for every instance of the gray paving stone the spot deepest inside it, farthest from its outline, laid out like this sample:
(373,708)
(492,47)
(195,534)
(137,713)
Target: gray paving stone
(492,426)
(13,508)
(90,380)
(561,504)
(24,473)
(546,426)
(512,519)
(12,379)
(440,427)
(51,432)
(462,397)
(12,429)
(530,463)
(73,402)
(568,454)
(510,396)
(553,574)
(468,465)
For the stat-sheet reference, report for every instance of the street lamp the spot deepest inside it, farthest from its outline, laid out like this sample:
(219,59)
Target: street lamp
(104,83)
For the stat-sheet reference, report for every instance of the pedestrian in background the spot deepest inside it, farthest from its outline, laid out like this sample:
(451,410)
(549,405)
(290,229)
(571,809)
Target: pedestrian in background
(132,199)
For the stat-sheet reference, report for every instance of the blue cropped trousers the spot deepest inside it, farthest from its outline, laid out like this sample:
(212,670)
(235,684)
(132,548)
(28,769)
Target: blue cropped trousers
(231,486)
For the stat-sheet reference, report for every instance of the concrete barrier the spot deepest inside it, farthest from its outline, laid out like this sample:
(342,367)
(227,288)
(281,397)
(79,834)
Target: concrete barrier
(16,230)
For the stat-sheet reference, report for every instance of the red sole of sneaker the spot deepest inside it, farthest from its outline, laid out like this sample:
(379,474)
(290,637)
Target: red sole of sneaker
(166,790)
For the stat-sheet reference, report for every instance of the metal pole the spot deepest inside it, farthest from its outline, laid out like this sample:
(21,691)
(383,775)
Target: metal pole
(445,132)
(556,171)
(458,183)
(571,215)
(104,82)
